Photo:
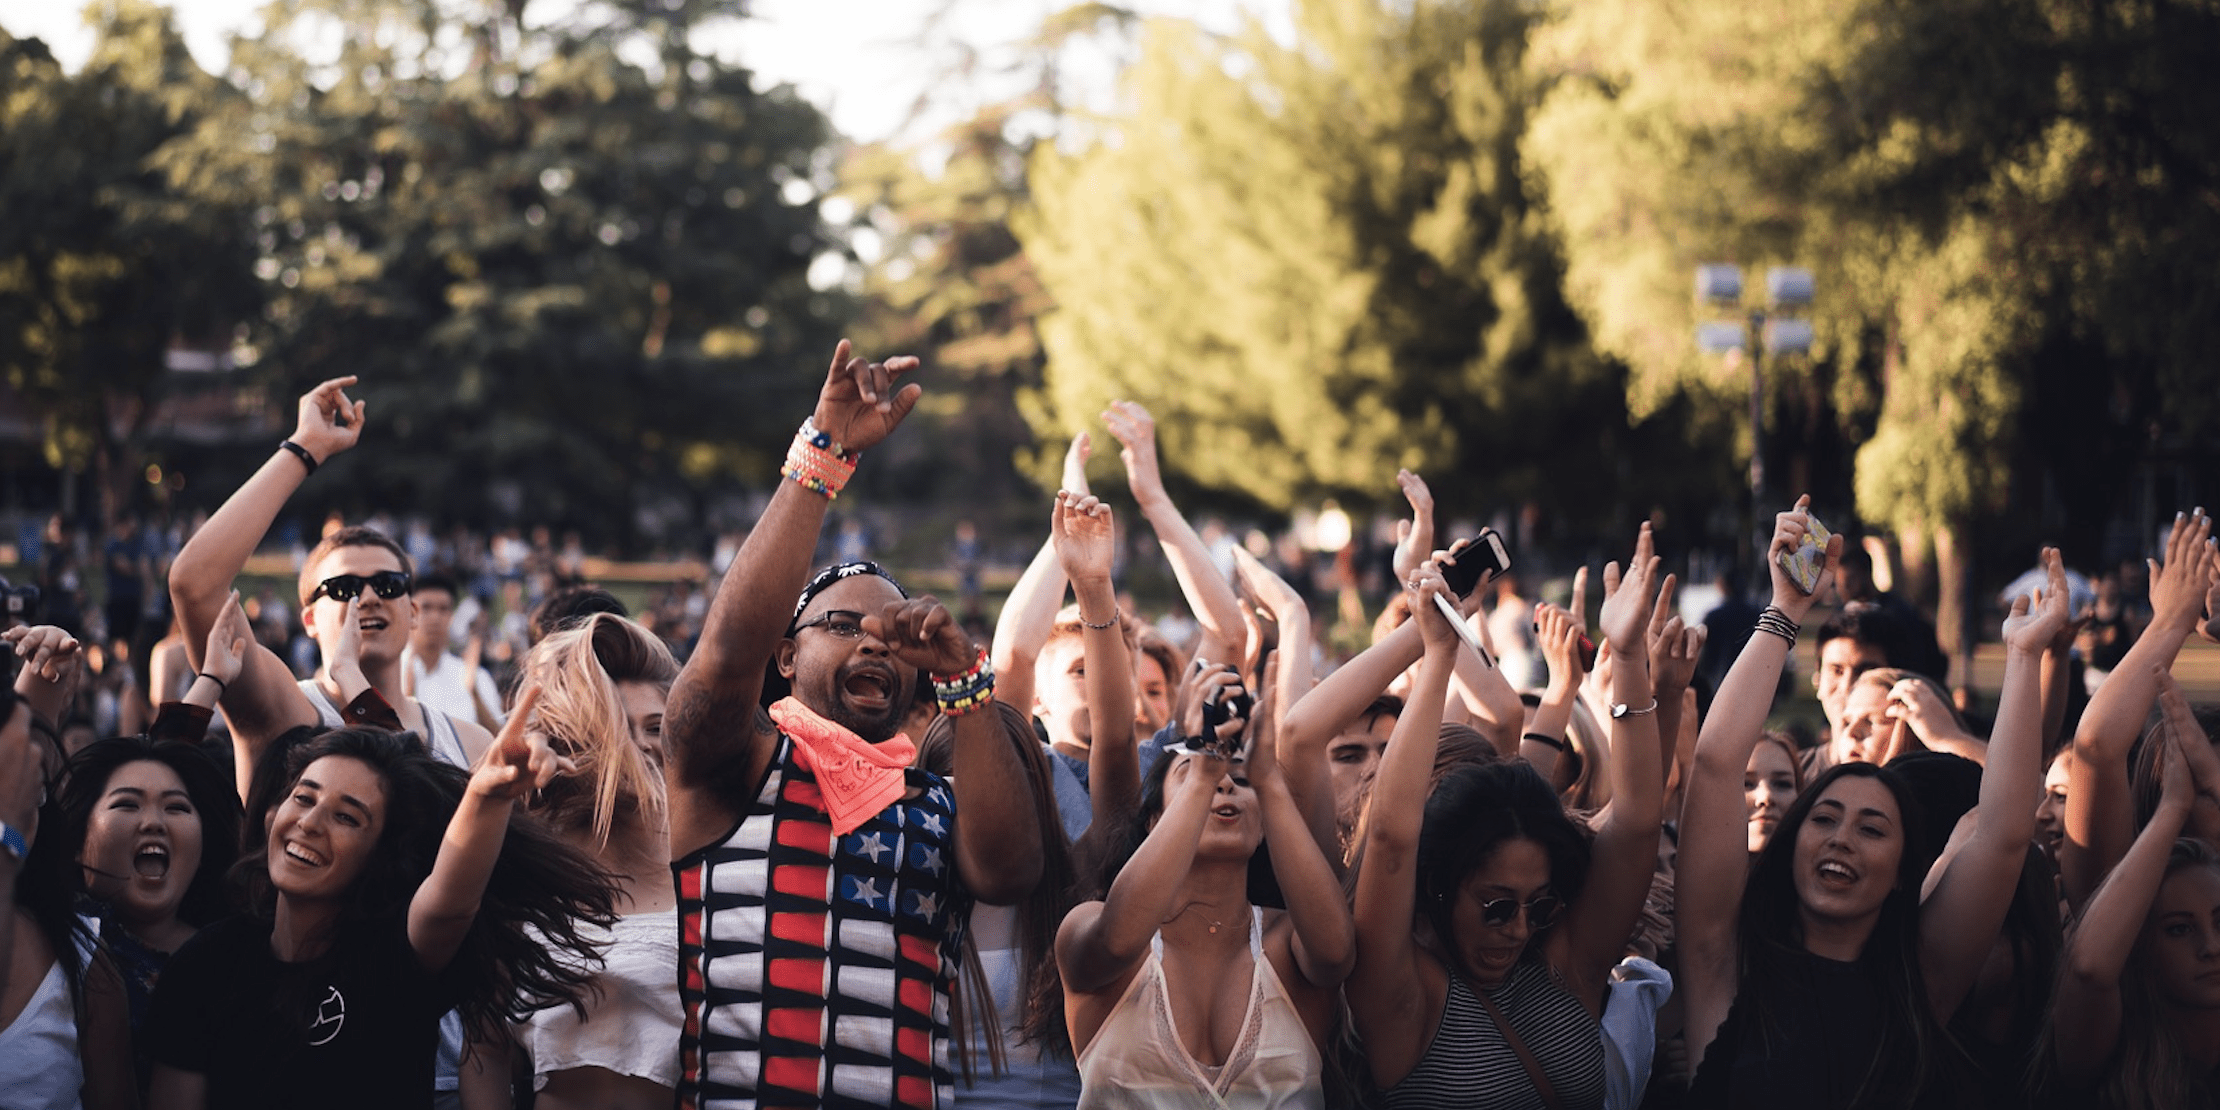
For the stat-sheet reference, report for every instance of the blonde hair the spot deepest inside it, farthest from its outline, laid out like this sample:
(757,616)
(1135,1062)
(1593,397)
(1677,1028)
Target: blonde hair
(582,713)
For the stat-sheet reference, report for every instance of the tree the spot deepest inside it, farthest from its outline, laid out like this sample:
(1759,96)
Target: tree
(1981,186)
(106,265)
(567,260)
(1320,262)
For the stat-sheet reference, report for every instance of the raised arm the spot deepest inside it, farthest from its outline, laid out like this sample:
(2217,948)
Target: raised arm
(2100,817)
(1960,919)
(263,698)
(1102,942)
(1558,633)
(520,761)
(1324,935)
(1386,993)
(1216,607)
(1308,728)
(1714,831)
(2086,1010)
(1625,853)
(997,834)
(52,660)
(1029,613)
(714,732)
(1278,598)
(1674,649)
(1085,536)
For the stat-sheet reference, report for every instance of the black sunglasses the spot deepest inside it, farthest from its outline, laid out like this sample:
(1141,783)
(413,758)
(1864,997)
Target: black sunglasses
(1541,910)
(343,588)
(844,623)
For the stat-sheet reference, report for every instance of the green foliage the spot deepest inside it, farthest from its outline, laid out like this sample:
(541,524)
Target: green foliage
(1979,185)
(103,264)
(1319,263)
(550,264)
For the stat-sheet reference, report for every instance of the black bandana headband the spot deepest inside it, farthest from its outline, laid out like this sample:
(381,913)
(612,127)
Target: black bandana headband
(837,573)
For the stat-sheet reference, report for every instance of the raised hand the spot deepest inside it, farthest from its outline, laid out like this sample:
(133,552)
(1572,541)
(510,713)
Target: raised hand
(2180,587)
(1075,464)
(1270,590)
(1203,682)
(1424,585)
(860,403)
(1414,537)
(520,760)
(343,659)
(1262,742)
(1914,704)
(229,642)
(1135,431)
(1085,537)
(922,634)
(1674,645)
(329,423)
(2031,627)
(1789,529)
(2210,629)
(1558,635)
(1629,600)
(48,653)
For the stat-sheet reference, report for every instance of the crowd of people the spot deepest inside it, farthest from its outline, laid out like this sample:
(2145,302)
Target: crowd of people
(851,850)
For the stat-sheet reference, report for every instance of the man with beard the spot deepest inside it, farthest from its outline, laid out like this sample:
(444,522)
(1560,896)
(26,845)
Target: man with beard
(823,881)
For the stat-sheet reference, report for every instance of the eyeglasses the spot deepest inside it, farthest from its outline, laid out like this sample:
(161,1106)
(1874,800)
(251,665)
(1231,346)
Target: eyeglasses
(343,588)
(844,623)
(1541,910)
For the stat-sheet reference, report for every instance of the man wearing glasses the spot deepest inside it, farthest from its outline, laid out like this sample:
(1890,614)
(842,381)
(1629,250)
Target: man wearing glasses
(824,881)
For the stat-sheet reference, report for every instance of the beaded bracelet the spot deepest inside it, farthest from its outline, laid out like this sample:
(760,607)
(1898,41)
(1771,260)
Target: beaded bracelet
(1776,622)
(817,464)
(967,692)
(1115,613)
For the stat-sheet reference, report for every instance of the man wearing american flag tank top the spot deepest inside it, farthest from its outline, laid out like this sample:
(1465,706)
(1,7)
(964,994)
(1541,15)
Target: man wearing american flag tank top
(823,881)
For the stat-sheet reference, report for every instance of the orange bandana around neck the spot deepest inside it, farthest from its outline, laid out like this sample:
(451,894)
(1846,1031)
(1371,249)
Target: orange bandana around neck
(857,778)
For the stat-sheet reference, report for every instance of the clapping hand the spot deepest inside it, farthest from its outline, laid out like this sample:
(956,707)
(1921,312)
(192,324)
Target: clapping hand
(1414,537)
(1085,536)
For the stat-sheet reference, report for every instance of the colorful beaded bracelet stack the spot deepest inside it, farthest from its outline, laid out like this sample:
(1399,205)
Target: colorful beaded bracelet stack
(1776,622)
(968,692)
(818,464)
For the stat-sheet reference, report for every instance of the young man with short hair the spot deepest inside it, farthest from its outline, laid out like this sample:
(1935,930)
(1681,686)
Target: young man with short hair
(443,680)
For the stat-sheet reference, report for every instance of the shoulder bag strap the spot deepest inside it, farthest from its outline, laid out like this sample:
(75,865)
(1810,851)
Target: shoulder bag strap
(1526,1055)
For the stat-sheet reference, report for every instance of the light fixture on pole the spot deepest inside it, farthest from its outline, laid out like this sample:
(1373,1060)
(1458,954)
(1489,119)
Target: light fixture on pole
(1774,328)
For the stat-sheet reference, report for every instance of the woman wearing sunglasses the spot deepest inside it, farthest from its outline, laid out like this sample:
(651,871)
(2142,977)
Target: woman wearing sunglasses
(355,602)
(1487,926)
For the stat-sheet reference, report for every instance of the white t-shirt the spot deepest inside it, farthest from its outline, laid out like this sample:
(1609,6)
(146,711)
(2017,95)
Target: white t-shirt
(447,687)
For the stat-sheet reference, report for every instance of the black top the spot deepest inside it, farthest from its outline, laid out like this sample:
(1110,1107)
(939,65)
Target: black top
(1817,1047)
(363,1035)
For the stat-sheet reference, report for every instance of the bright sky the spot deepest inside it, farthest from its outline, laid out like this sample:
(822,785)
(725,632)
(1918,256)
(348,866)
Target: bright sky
(864,61)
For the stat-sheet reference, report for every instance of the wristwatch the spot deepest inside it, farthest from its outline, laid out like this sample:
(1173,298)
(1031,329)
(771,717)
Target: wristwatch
(1619,710)
(12,842)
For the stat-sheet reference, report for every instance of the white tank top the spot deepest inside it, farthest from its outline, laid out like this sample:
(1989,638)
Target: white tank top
(1136,1061)
(631,1025)
(39,1067)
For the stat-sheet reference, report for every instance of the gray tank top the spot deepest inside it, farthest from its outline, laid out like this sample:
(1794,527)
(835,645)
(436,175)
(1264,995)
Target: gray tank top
(443,740)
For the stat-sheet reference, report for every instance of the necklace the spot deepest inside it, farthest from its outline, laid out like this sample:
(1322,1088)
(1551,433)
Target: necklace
(1183,912)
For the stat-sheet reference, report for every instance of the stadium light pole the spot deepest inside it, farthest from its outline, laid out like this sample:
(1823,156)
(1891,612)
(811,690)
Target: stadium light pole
(1774,327)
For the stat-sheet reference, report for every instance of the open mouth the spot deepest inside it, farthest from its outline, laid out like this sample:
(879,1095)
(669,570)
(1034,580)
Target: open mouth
(1835,873)
(371,624)
(303,856)
(1227,813)
(868,688)
(151,862)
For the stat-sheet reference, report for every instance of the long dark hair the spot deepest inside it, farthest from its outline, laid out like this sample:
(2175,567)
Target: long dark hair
(526,949)
(1771,941)
(85,779)
(45,888)
(1472,812)
(1040,988)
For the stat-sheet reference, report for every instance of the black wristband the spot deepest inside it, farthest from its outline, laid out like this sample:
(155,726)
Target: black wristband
(300,453)
(1545,738)
(222,687)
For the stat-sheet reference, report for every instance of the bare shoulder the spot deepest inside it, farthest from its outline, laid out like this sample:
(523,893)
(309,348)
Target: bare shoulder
(707,798)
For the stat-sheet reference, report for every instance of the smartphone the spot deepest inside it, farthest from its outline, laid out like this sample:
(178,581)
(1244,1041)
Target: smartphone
(1482,558)
(1805,564)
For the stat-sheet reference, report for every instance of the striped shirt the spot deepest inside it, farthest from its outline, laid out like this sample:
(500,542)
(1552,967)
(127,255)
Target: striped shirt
(815,970)
(1469,1066)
